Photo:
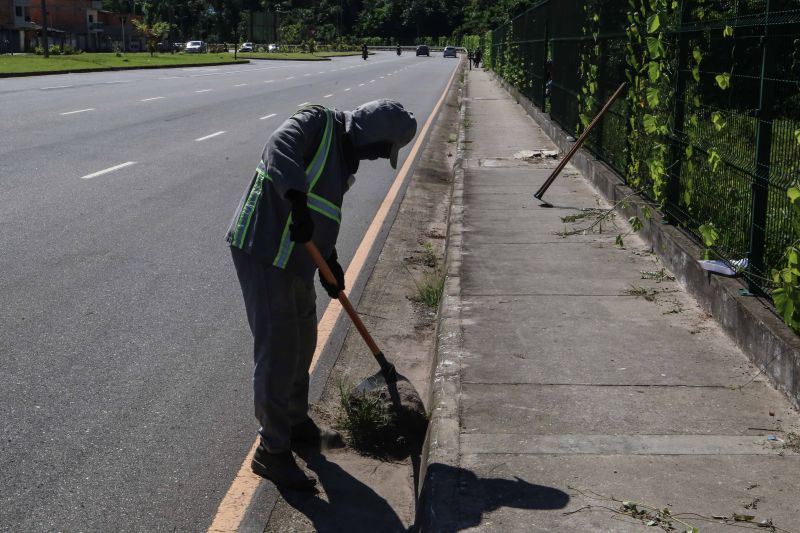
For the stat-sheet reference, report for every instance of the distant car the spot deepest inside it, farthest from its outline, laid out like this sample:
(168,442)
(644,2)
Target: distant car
(273,47)
(423,50)
(450,51)
(246,47)
(195,47)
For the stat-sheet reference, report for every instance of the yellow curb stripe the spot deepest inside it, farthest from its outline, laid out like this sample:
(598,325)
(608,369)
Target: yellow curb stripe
(233,507)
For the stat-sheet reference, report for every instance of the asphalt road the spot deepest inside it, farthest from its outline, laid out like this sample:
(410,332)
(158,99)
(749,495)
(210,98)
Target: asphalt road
(125,399)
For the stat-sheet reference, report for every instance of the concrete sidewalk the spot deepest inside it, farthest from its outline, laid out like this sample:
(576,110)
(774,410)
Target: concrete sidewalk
(574,374)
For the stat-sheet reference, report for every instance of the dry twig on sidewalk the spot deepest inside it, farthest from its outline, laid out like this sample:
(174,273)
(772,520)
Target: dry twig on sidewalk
(664,518)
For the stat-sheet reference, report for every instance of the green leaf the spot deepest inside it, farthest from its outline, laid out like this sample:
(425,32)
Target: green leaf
(647,213)
(723,80)
(635,223)
(619,242)
(793,193)
(654,71)
(797,136)
(718,120)
(696,74)
(727,32)
(714,159)
(653,23)
(649,123)
(709,234)
(653,97)
(697,55)
(655,47)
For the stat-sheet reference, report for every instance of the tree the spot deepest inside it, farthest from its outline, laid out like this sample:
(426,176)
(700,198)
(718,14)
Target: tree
(153,33)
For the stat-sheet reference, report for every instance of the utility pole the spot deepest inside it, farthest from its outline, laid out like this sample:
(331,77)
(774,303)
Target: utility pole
(45,44)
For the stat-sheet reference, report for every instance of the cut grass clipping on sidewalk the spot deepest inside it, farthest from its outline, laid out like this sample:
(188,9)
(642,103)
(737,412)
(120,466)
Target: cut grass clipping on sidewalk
(19,64)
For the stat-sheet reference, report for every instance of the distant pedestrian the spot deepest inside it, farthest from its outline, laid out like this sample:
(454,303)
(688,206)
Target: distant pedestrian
(478,57)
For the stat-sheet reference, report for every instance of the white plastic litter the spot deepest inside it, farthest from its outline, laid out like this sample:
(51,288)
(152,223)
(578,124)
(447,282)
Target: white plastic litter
(726,268)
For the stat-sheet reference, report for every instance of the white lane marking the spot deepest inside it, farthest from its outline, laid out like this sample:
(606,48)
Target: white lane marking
(56,87)
(328,95)
(309,74)
(303,104)
(360,84)
(106,171)
(268,116)
(381,77)
(268,81)
(171,78)
(210,136)
(240,85)
(203,91)
(290,78)
(321,72)
(151,99)
(78,111)
(372,81)
(347,89)
(117,81)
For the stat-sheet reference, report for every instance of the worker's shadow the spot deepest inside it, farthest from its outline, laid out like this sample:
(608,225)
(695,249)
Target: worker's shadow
(351,505)
(459,499)
(354,507)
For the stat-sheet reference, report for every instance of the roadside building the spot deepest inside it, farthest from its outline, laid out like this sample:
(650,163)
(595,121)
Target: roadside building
(79,24)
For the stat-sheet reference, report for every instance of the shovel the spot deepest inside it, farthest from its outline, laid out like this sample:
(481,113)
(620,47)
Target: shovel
(403,399)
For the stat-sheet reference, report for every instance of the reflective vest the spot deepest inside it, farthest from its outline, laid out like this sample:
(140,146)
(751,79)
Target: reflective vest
(261,224)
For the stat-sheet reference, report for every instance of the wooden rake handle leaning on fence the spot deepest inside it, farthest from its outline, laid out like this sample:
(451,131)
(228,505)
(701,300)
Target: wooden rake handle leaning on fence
(388,368)
(546,185)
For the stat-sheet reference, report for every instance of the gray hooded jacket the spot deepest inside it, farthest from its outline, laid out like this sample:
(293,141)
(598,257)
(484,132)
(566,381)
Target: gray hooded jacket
(307,153)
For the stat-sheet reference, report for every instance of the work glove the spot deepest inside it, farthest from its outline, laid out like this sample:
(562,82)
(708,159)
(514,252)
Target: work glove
(338,273)
(302,227)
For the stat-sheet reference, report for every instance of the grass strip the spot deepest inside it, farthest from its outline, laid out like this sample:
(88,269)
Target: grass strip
(22,64)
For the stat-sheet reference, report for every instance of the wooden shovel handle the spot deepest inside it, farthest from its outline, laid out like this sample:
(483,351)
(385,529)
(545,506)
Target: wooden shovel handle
(348,307)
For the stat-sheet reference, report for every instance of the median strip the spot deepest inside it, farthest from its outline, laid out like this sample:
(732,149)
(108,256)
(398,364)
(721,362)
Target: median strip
(210,136)
(107,170)
(78,111)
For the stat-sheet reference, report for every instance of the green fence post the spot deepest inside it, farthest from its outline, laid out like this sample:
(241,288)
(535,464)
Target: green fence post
(760,186)
(545,52)
(671,206)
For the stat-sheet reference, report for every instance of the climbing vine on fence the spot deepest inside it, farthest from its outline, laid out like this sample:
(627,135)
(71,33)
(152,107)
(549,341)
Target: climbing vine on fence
(651,76)
(589,68)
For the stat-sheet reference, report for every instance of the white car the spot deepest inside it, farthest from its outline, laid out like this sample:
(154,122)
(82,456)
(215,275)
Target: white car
(247,47)
(195,47)
(273,47)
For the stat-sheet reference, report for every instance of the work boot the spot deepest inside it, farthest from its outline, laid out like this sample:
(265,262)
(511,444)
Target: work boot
(281,469)
(309,434)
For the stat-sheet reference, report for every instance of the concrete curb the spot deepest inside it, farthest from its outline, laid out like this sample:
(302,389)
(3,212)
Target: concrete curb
(110,69)
(750,321)
(441,452)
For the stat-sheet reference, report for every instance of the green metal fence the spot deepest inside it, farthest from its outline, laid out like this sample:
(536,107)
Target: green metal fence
(732,117)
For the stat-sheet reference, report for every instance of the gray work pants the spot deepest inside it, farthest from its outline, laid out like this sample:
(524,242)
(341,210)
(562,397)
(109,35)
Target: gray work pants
(282,312)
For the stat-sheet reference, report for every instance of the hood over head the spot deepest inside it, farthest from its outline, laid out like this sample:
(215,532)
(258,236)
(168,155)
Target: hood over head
(380,122)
